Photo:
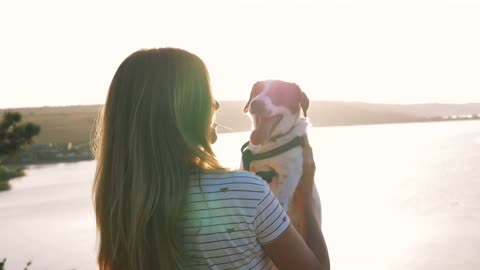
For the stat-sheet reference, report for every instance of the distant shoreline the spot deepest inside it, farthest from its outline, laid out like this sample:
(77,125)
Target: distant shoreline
(66,131)
(371,124)
(41,154)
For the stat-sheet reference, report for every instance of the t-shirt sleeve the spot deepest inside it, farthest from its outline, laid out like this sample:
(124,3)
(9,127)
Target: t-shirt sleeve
(270,219)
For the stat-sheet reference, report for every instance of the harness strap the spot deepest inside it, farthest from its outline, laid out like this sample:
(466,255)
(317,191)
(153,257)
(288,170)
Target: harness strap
(267,176)
(248,156)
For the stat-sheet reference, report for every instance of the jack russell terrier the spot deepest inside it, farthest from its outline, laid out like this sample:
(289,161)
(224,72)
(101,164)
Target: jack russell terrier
(275,149)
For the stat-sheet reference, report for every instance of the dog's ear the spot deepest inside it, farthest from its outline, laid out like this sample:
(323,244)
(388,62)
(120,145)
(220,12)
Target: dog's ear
(304,103)
(257,87)
(245,109)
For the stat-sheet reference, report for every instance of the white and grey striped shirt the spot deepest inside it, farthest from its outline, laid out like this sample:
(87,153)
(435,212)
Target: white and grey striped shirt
(229,216)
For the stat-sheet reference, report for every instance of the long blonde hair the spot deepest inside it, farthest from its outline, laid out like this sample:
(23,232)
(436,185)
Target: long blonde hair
(153,131)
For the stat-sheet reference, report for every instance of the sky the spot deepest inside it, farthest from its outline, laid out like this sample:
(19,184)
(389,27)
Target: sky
(412,51)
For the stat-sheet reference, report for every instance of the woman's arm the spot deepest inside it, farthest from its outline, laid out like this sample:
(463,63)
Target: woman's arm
(289,250)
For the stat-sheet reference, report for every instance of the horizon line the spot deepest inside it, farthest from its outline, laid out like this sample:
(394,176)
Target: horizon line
(239,100)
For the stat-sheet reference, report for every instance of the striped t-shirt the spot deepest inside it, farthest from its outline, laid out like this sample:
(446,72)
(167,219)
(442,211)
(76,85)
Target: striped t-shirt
(229,216)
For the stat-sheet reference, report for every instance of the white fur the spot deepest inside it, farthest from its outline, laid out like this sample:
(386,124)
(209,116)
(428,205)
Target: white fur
(288,165)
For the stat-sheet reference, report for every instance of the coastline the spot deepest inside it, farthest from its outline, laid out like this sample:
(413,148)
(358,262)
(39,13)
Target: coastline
(60,153)
(50,154)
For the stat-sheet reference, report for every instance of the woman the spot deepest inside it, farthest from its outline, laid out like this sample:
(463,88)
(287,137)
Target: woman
(162,200)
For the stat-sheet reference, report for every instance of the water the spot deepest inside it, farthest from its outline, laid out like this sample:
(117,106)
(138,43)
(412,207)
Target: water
(403,196)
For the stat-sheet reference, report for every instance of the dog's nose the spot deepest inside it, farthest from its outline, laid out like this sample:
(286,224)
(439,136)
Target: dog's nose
(257,107)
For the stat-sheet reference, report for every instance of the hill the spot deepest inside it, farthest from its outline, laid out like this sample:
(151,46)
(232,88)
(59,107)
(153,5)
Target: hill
(61,125)
(428,110)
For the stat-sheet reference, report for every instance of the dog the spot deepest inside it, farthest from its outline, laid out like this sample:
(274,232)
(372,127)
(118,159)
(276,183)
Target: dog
(275,146)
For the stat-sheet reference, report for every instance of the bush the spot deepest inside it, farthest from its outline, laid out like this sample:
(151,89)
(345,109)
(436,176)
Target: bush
(14,136)
(7,174)
(4,185)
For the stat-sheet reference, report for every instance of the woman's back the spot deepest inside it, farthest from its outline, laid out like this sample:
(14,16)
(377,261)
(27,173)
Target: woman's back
(228,217)
(155,128)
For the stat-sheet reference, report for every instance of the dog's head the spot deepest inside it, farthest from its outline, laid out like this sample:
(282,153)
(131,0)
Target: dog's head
(275,108)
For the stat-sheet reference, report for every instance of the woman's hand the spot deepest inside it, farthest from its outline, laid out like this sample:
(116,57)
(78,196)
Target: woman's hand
(307,180)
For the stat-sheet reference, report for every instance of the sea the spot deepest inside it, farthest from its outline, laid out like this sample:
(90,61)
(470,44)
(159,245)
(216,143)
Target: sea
(395,196)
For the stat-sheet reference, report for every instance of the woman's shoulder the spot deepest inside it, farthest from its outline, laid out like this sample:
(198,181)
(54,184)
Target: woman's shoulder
(235,175)
(232,181)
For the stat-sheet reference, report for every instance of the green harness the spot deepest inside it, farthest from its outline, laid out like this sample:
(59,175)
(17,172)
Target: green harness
(248,156)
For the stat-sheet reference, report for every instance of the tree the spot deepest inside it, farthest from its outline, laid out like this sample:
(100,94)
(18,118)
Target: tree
(13,135)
